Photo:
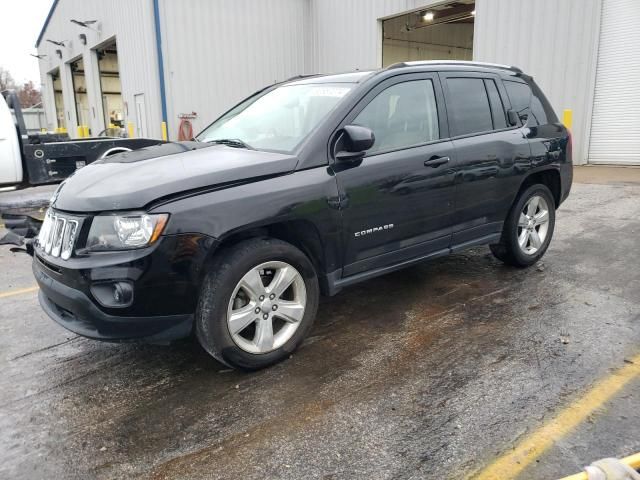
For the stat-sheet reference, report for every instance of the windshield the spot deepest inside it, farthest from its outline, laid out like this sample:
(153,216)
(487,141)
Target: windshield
(278,120)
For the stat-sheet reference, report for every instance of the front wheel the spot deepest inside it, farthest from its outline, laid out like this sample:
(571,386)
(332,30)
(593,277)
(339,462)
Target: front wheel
(258,302)
(528,228)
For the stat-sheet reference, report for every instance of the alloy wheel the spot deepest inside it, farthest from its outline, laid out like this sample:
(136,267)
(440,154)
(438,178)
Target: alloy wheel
(266,307)
(533,225)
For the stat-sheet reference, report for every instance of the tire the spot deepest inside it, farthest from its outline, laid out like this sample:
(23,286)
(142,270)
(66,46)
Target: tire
(234,273)
(538,233)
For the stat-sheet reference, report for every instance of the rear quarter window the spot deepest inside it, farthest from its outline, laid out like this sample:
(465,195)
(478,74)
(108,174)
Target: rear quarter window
(520,98)
(530,104)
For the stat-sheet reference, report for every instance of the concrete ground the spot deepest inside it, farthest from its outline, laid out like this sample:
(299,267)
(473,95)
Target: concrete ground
(460,368)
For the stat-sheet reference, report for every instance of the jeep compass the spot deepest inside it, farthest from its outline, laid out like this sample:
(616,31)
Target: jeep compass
(304,188)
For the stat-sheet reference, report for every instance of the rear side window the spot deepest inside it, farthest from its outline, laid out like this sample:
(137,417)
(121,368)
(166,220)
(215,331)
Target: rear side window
(468,106)
(520,97)
(402,116)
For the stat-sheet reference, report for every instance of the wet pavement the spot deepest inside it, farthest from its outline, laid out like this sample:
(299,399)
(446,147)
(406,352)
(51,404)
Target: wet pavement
(428,373)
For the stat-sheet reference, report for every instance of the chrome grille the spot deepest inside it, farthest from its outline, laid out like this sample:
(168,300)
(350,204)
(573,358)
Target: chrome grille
(58,234)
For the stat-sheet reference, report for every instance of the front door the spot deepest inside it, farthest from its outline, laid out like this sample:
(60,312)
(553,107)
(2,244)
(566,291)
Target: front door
(397,201)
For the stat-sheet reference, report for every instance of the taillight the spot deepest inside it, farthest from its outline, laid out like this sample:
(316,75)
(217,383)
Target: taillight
(569,146)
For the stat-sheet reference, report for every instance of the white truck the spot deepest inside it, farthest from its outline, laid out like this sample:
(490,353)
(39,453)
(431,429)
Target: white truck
(38,159)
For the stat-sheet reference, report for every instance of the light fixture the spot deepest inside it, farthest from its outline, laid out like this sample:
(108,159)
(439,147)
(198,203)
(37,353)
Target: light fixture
(473,12)
(83,38)
(59,53)
(84,23)
(428,17)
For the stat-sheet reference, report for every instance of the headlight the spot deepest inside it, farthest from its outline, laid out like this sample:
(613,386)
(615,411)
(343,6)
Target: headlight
(123,232)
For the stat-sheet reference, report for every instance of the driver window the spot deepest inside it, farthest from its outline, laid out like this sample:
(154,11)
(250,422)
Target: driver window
(401,116)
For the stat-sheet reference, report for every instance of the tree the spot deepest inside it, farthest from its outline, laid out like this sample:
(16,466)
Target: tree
(6,80)
(28,94)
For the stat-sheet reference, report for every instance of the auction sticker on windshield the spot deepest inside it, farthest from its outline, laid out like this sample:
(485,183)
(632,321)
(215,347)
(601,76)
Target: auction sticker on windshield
(329,91)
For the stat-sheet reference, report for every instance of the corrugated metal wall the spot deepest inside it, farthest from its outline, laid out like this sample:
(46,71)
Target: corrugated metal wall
(131,22)
(218,52)
(555,42)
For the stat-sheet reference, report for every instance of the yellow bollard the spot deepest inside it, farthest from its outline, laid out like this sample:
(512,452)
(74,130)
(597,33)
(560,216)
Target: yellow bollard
(130,129)
(80,131)
(632,461)
(567,118)
(85,131)
(164,131)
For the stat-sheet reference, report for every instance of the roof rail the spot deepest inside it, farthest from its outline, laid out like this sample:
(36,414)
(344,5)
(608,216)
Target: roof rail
(419,63)
(300,77)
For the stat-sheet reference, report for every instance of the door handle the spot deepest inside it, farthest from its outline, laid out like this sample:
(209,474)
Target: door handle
(436,161)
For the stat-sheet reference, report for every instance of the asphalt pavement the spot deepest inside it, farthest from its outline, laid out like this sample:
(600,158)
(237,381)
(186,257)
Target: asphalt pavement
(435,372)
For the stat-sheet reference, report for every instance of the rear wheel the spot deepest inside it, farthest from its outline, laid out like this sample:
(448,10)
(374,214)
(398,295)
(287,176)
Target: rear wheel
(528,228)
(258,302)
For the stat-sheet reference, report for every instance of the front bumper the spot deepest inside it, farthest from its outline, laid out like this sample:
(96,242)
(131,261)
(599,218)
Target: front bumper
(165,281)
(75,312)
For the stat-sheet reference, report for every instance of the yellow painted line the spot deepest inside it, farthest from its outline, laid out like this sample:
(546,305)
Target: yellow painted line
(510,465)
(19,291)
(632,461)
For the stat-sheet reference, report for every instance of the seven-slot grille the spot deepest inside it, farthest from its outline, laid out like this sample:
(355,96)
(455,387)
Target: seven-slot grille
(58,234)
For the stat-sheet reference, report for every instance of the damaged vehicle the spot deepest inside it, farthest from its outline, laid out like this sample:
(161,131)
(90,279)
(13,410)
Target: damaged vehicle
(302,189)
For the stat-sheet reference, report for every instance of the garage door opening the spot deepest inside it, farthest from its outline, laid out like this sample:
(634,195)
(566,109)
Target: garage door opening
(58,101)
(441,32)
(80,91)
(110,86)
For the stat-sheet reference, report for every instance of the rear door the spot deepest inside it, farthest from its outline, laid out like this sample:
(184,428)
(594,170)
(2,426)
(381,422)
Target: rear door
(397,201)
(492,156)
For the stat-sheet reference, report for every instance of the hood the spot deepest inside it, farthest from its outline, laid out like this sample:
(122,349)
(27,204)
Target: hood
(132,180)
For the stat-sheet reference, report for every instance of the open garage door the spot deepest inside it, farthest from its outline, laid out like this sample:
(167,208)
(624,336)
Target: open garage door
(110,86)
(56,83)
(615,122)
(441,32)
(81,99)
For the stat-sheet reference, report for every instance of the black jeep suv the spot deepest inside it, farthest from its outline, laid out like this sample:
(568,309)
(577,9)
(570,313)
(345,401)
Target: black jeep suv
(303,188)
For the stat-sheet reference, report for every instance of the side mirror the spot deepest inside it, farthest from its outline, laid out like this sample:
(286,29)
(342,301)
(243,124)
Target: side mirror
(512,116)
(354,142)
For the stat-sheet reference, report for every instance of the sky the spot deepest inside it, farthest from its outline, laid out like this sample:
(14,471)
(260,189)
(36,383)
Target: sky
(20,24)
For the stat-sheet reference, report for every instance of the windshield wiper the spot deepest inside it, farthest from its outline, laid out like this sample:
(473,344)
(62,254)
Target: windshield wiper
(231,142)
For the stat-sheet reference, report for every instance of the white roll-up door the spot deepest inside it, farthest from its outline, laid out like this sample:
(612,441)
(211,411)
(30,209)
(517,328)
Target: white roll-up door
(615,122)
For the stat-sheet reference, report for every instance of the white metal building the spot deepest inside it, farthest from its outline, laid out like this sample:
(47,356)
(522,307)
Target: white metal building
(146,61)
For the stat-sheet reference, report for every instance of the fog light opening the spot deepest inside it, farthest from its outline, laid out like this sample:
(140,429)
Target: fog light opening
(113,294)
